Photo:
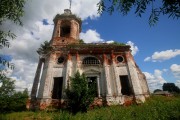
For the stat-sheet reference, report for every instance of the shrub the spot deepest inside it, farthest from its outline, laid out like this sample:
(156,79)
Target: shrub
(79,95)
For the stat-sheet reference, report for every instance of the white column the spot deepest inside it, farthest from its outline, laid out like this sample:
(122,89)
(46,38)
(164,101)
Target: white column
(47,77)
(98,86)
(36,80)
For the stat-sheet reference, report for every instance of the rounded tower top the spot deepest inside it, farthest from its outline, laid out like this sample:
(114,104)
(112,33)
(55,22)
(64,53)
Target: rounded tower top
(67,27)
(67,15)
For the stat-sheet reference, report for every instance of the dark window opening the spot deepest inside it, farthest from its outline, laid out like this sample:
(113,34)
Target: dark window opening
(91,61)
(57,89)
(65,31)
(120,59)
(60,60)
(92,85)
(125,85)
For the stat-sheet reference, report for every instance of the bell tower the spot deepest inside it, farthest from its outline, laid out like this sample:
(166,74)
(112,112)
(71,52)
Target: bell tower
(67,27)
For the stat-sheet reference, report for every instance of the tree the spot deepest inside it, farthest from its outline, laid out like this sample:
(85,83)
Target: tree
(45,48)
(10,100)
(157,90)
(163,7)
(9,10)
(171,87)
(79,95)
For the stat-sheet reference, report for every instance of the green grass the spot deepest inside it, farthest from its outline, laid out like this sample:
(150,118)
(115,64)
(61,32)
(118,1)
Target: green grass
(155,108)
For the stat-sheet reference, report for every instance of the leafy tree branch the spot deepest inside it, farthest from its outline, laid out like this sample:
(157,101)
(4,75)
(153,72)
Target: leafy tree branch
(165,7)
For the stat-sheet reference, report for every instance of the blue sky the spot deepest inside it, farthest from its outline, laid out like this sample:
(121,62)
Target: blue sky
(156,49)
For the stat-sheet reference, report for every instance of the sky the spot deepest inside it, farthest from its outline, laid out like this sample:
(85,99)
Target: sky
(156,49)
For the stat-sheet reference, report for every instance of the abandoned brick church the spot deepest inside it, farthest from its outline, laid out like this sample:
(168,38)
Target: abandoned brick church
(110,66)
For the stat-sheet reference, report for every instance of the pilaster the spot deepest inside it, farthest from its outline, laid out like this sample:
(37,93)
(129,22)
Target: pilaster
(115,76)
(107,78)
(68,71)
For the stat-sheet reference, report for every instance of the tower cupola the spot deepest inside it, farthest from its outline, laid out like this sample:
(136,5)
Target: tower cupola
(67,27)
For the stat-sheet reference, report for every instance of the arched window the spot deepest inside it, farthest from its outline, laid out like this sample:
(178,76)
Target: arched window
(65,28)
(90,61)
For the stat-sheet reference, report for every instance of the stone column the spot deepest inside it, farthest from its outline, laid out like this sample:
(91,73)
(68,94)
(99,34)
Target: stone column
(36,79)
(107,79)
(98,85)
(45,88)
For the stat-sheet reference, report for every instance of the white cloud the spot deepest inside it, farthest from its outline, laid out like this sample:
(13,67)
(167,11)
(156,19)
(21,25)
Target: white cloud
(178,83)
(133,47)
(147,59)
(91,36)
(163,55)
(155,80)
(33,33)
(21,85)
(175,68)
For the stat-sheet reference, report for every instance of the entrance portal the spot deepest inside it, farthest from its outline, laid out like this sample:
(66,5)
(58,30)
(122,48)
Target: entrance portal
(92,84)
(126,89)
(57,89)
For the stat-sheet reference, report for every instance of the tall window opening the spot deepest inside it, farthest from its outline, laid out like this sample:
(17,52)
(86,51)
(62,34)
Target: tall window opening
(91,61)
(92,84)
(125,85)
(57,89)
(65,29)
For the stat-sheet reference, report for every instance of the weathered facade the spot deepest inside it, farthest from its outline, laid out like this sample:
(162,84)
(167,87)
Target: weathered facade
(110,66)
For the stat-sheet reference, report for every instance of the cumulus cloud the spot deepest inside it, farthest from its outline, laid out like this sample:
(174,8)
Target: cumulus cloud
(38,27)
(175,69)
(163,55)
(178,83)
(133,47)
(91,36)
(155,80)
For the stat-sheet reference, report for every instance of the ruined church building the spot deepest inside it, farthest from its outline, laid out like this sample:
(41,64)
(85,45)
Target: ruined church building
(110,66)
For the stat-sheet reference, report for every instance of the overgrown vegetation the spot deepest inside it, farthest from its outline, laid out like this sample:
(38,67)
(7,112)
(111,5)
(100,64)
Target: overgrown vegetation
(155,108)
(79,94)
(45,48)
(10,100)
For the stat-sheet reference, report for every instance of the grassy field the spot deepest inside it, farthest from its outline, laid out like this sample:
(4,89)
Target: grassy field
(155,108)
